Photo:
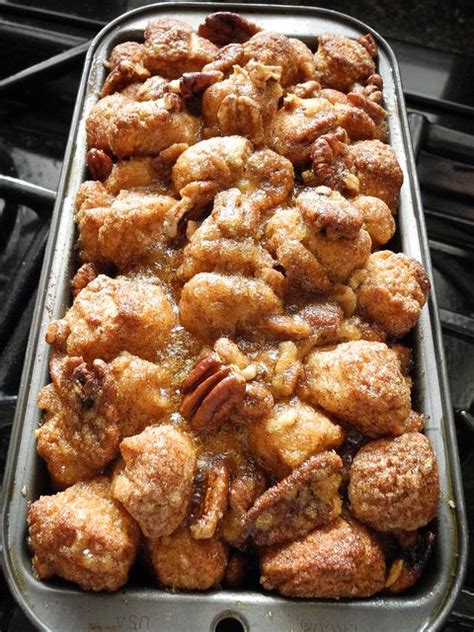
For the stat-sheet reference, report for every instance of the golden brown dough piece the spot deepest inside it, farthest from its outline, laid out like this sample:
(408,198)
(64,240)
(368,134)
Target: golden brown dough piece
(91,194)
(291,434)
(133,173)
(320,242)
(154,484)
(79,433)
(341,62)
(275,49)
(214,305)
(125,231)
(84,536)
(394,483)
(378,219)
(376,167)
(172,48)
(342,559)
(220,163)
(227,240)
(297,125)
(306,499)
(303,120)
(182,563)
(393,292)
(143,393)
(125,66)
(113,315)
(124,127)
(361,383)
(245,103)
(268,179)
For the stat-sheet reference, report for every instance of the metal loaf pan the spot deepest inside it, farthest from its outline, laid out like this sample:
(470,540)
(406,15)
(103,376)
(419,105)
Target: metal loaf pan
(56,605)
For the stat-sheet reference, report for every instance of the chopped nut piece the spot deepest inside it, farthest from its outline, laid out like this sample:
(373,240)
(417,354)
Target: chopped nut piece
(229,352)
(394,573)
(258,401)
(331,163)
(375,111)
(86,273)
(369,44)
(281,326)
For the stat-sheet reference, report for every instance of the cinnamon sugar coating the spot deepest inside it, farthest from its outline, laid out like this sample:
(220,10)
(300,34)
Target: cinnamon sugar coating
(394,483)
(341,559)
(182,563)
(154,483)
(83,535)
(113,315)
(232,339)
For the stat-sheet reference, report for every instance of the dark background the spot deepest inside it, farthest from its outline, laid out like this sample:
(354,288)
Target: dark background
(447,25)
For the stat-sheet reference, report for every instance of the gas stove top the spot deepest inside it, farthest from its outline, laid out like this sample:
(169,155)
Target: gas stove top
(38,84)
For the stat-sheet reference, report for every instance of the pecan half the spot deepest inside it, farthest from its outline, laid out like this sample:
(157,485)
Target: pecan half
(192,83)
(369,44)
(225,27)
(99,164)
(372,89)
(306,499)
(214,503)
(210,393)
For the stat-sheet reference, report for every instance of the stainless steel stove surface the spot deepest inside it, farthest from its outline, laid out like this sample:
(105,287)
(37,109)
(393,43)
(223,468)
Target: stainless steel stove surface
(38,84)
